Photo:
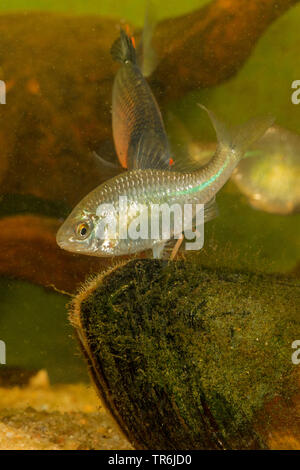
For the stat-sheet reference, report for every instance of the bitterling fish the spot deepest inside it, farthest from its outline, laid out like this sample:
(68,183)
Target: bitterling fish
(151,179)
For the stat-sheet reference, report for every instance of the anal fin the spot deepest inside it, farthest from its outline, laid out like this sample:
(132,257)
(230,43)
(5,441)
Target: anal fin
(211,210)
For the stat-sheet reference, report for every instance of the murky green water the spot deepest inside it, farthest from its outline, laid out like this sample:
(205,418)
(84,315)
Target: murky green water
(33,316)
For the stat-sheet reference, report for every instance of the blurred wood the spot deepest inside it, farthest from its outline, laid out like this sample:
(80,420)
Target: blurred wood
(187,357)
(29,251)
(59,74)
(206,47)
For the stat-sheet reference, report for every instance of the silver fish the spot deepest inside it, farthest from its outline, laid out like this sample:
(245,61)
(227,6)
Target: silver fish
(141,140)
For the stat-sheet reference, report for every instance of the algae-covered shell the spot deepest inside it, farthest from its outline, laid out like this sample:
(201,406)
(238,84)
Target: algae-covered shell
(193,358)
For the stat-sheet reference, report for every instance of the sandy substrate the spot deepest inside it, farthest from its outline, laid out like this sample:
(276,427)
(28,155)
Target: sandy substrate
(59,417)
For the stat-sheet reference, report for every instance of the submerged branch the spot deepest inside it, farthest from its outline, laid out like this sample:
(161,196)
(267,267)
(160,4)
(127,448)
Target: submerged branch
(59,75)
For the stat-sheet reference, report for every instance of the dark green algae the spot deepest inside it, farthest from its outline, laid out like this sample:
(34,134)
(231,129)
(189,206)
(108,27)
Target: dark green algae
(187,356)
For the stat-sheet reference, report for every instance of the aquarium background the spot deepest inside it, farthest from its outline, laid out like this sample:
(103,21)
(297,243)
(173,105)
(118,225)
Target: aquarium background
(132,10)
(33,313)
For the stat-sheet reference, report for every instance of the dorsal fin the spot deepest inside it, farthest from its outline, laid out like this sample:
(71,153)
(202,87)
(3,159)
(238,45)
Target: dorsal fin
(122,49)
(151,151)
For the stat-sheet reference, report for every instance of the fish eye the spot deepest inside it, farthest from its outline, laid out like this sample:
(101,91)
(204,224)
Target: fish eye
(83,230)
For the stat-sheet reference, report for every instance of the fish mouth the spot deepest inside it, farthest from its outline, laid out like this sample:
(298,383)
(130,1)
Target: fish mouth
(61,239)
(66,245)
(66,242)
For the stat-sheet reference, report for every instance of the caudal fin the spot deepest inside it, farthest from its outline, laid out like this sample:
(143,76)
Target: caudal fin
(123,50)
(240,138)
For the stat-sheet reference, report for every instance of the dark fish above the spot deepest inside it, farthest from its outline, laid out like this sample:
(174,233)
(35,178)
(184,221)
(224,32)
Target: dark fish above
(136,118)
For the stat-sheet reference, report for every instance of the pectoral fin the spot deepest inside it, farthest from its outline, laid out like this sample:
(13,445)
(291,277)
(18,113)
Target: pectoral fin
(106,163)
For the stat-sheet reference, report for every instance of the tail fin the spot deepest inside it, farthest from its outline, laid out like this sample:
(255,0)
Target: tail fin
(241,137)
(122,49)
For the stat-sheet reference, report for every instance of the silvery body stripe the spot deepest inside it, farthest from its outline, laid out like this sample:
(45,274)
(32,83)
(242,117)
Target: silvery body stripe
(158,186)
